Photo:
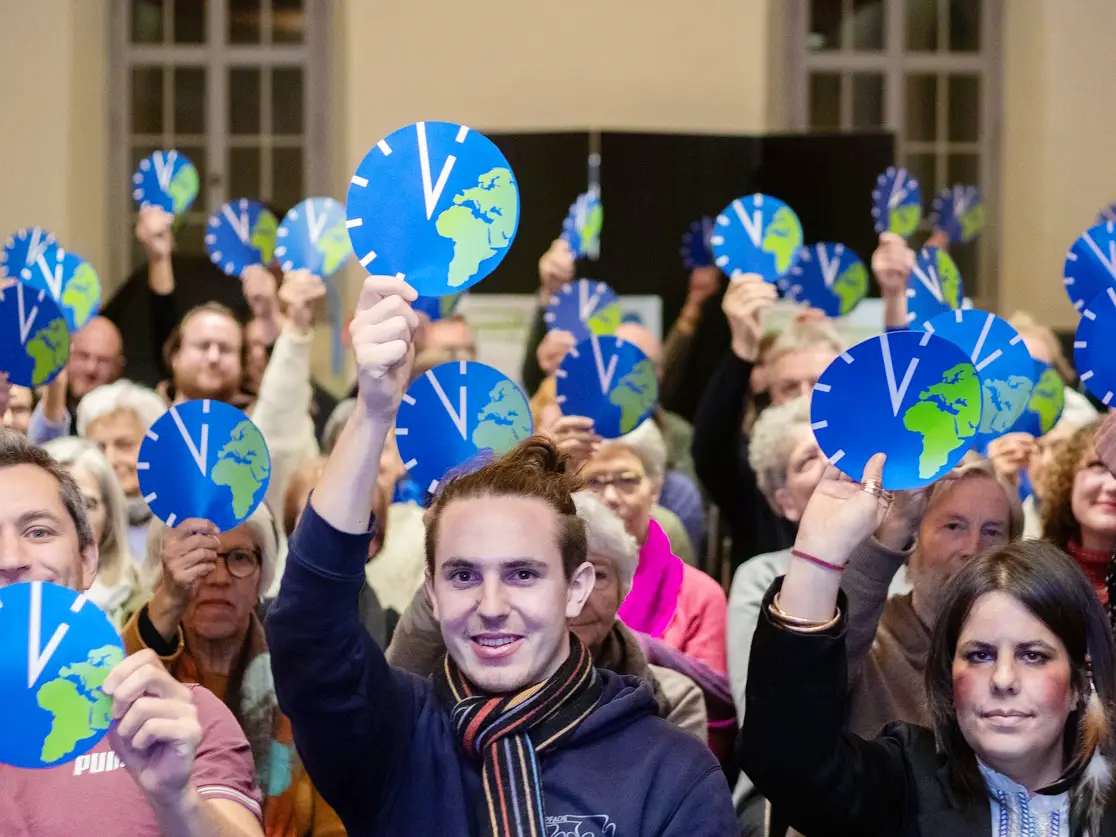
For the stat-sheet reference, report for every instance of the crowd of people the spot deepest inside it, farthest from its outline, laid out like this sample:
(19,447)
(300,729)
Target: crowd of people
(545,646)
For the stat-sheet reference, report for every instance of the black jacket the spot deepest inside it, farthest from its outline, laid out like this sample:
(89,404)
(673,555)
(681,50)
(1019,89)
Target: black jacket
(827,781)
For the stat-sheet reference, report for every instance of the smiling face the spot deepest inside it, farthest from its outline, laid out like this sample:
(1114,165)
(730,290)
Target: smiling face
(1012,688)
(500,593)
(207,364)
(963,520)
(1093,501)
(222,608)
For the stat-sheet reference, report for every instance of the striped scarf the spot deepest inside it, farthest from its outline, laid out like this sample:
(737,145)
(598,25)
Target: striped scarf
(508,732)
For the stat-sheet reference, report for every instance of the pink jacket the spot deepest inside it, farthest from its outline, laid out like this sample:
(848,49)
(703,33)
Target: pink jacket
(677,603)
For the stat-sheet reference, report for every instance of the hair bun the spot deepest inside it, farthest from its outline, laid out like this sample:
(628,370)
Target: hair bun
(538,453)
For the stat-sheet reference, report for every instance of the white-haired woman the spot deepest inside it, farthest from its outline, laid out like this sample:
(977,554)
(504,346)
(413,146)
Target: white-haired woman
(417,645)
(669,600)
(202,623)
(115,417)
(116,588)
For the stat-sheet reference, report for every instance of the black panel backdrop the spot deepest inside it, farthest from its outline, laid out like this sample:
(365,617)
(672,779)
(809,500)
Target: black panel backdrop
(653,186)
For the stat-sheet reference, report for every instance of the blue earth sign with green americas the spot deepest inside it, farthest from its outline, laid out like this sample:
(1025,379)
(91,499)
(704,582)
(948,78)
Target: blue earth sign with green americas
(166,179)
(897,202)
(582,227)
(240,234)
(1048,400)
(434,203)
(757,234)
(610,381)
(1092,346)
(71,281)
(582,308)
(827,276)
(1090,267)
(911,395)
(313,237)
(58,649)
(455,412)
(934,287)
(24,248)
(204,459)
(958,211)
(1002,362)
(34,339)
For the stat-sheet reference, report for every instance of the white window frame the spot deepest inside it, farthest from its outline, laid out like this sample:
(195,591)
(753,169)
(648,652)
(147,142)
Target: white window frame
(216,56)
(894,62)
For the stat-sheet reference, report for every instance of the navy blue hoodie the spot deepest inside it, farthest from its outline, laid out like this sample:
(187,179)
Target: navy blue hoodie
(382,752)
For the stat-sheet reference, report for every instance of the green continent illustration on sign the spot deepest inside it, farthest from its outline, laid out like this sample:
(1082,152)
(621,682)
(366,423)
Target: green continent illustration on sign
(263,236)
(635,395)
(50,349)
(76,702)
(782,238)
(851,286)
(184,188)
(243,466)
(950,280)
(335,248)
(945,415)
(904,219)
(504,421)
(605,320)
(82,293)
(480,223)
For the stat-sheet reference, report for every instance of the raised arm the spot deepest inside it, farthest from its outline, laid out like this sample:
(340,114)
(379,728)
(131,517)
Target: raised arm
(331,679)
(705,282)
(153,229)
(793,744)
(556,268)
(892,263)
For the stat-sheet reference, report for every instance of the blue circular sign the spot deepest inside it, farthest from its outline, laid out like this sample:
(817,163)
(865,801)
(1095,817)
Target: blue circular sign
(313,237)
(434,203)
(58,649)
(1090,266)
(1048,400)
(70,280)
(455,411)
(918,393)
(827,276)
(1002,362)
(582,308)
(934,287)
(438,307)
(204,459)
(697,244)
(240,234)
(757,234)
(34,339)
(610,381)
(1092,346)
(897,202)
(166,179)
(24,248)
(582,227)
(958,211)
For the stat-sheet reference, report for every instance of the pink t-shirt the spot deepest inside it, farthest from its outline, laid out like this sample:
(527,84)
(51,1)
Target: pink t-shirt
(95,796)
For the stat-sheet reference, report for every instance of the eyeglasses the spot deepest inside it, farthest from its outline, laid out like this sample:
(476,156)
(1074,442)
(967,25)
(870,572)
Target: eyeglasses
(240,563)
(625,483)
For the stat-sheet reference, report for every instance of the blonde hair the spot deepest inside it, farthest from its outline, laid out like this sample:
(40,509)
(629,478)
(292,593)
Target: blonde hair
(607,536)
(116,561)
(260,524)
(119,397)
(799,337)
(1028,326)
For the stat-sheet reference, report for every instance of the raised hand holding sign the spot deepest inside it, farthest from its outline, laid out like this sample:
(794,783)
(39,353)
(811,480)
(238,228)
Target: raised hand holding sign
(24,249)
(313,237)
(827,276)
(897,202)
(1048,400)
(70,280)
(582,308)
(455,411)
(239,234)
(697,244)
(757,234)
(934,287)
(609,381)
(383,337)
(1090,266)
(166,179)
(435,204)
(204,459)
(744,303)
(58,651)
(919,394)
(958,212)
(582,227)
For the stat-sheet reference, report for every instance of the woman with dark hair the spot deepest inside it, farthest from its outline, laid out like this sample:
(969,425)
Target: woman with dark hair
(1020,685)
(1079,509)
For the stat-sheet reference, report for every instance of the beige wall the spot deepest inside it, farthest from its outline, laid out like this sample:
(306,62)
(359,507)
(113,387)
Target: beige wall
(1059,156)
(54,146)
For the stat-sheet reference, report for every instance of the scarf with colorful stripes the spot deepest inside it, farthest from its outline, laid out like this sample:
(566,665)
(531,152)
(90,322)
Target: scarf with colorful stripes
(508,732)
